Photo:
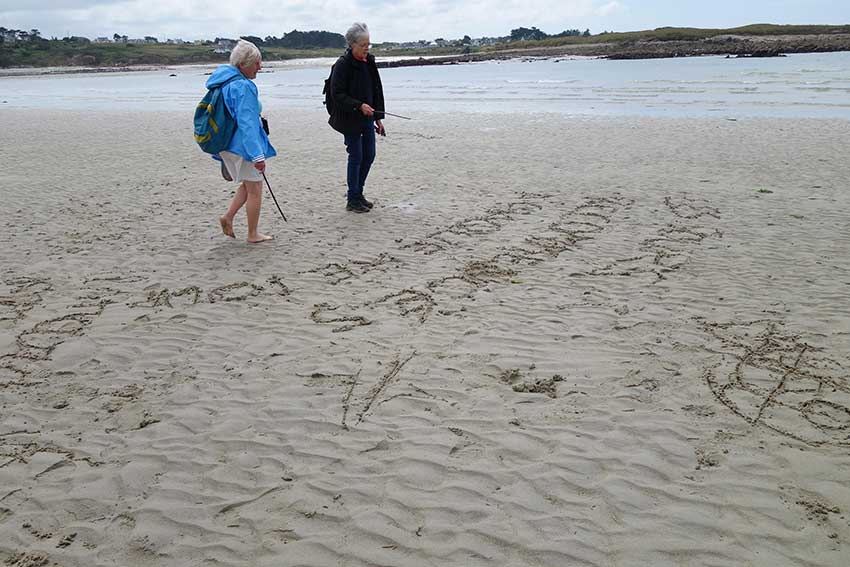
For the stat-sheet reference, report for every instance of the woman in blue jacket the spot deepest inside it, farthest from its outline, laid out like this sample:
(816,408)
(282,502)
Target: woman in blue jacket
(246,155)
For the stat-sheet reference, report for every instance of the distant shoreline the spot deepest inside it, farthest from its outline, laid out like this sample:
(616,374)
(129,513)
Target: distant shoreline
(729,45)
(42,71)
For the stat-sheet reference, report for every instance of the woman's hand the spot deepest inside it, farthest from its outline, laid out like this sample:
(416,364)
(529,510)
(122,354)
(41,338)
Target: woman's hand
(367,110)
(261,166)
(379,128)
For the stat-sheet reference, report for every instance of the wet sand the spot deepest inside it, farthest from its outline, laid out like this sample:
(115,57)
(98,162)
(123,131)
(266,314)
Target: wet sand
(554,341)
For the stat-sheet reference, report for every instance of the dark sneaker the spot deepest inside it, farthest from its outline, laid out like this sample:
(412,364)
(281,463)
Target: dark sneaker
(368,204)
(356,207)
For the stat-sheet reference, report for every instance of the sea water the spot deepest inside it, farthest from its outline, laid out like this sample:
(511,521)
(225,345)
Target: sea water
(799,85)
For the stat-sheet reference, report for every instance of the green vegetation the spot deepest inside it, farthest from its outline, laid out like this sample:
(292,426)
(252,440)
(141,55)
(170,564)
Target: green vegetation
(29,49)
(570,37)
(57,53)
(46,53)
(681,34)
(22,48)
(394,51)
(302,40)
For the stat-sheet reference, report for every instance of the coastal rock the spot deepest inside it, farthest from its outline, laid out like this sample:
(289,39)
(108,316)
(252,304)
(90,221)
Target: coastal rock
(762,53)
(731,45)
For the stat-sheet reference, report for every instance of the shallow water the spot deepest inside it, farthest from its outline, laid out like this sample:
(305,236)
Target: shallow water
(801,85)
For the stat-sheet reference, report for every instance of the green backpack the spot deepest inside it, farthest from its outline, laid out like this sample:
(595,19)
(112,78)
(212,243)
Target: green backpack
(214,127)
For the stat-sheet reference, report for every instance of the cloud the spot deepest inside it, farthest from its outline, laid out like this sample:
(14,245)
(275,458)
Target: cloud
(610,9)
(413,19)
(52,5)
(401,20)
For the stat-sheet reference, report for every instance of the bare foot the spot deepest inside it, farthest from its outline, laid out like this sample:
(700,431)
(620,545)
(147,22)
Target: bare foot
(260,238)
(226,227)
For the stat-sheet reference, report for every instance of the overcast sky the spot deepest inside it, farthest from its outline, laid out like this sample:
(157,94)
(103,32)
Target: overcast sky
(401,20)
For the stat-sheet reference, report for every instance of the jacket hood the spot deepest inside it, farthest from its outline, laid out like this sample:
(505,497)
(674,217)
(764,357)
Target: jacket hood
(221,74)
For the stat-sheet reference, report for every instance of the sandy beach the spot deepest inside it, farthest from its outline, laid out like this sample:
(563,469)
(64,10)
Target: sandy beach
(555,341)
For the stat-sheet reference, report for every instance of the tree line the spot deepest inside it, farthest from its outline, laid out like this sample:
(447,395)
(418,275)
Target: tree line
(13,36)
(293,40)
(300,40)
(534,34)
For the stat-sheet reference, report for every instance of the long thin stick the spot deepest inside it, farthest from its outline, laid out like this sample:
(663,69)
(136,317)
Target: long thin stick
(396,115)
(273,197)
(391,114)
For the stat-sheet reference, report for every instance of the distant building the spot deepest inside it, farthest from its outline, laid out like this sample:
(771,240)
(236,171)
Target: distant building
(102,40)
(223,45)
(421,44)
(14,36)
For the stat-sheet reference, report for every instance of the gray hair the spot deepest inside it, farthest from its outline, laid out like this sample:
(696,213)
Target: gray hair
(245,53)
(357,31)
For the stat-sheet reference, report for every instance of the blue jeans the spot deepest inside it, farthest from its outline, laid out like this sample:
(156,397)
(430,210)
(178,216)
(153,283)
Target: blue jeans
(361,154)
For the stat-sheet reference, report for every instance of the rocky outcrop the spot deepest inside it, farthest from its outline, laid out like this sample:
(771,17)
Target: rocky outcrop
(731,45)
(743,46)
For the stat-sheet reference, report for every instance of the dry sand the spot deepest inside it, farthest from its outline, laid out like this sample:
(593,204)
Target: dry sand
(555,341)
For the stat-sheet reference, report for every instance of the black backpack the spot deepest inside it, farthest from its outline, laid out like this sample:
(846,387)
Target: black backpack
(329,99)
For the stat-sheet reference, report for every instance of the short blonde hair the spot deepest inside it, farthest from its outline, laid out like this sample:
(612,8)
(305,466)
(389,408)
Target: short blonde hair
(245,53)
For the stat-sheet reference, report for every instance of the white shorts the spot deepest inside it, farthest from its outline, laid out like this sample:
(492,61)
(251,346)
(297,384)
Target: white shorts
(239,169)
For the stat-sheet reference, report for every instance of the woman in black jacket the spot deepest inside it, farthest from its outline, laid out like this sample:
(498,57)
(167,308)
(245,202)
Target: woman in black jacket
(357,111)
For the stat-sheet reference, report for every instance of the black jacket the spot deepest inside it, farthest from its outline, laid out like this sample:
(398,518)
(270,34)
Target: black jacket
(349,91)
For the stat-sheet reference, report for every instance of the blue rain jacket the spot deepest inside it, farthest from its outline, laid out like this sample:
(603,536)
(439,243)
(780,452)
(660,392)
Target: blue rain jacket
(240,96)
